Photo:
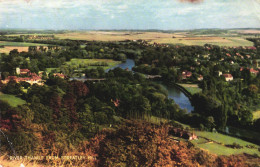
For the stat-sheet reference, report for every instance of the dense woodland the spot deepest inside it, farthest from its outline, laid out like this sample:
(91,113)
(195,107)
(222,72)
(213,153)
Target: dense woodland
(64,114)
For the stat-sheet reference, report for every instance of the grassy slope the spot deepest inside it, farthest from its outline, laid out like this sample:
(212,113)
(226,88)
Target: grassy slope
(11,99)
(215,148)
(220,149)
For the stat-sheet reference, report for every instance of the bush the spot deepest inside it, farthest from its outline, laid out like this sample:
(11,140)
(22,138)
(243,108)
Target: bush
(234,145)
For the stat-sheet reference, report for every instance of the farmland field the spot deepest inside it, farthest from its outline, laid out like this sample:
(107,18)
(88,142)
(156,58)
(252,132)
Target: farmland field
(180,38)
(221,41)
(115,36)
(7,49)
(20,46)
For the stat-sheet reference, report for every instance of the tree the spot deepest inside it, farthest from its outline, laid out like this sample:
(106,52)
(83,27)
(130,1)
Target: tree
(55,104)
(253,90)
(245,116)
(12,88)
(210,123)
(69,101)
(78,88)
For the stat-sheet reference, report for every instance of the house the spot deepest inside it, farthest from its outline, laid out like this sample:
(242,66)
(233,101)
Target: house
(206,56)
(22,71)
(251,47)
(200,78)
(116,102)
(248,56)
(219,73)
(32,79)
(182,133)
(59,75)
(228,77)
(228,55)
(186,74)
(253,71)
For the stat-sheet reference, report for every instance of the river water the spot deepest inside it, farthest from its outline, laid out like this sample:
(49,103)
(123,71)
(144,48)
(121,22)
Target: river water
(179,97)
(128,64)
(173,92)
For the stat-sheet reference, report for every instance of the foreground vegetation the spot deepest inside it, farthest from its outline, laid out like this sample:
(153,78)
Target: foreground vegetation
(138,143)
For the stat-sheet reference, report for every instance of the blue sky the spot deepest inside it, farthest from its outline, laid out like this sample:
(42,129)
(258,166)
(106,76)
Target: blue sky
(129,14)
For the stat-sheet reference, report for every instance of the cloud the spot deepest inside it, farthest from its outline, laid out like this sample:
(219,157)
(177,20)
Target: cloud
(168,14)
(191,1)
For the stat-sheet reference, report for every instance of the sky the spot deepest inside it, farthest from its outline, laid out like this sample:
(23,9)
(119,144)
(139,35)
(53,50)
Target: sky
(129,14)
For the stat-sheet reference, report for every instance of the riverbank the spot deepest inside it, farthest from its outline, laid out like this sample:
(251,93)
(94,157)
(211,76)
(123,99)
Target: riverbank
(180,96)
(185,91)
(191,88)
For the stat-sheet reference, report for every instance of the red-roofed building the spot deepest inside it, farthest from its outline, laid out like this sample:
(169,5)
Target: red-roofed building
(228,77)
(59,75)
(253,71)
(186,74)
(200,78)
(24,71)
(251,47)
(228,55)
(33,79)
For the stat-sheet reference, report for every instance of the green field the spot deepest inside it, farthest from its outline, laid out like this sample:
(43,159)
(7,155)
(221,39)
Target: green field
(191,88)
(7,43)
(218,142)
(11,99)
(82,64)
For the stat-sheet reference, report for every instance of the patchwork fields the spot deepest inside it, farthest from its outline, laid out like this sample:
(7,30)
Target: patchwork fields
(20,46)
(180,38)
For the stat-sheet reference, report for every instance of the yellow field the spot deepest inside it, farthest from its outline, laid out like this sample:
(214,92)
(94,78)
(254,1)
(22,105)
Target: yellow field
(7,49)
(249,31)
(221,41)
(180,38)
(115,36)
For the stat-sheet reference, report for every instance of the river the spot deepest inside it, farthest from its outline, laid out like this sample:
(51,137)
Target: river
(129,63)
(173,92)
